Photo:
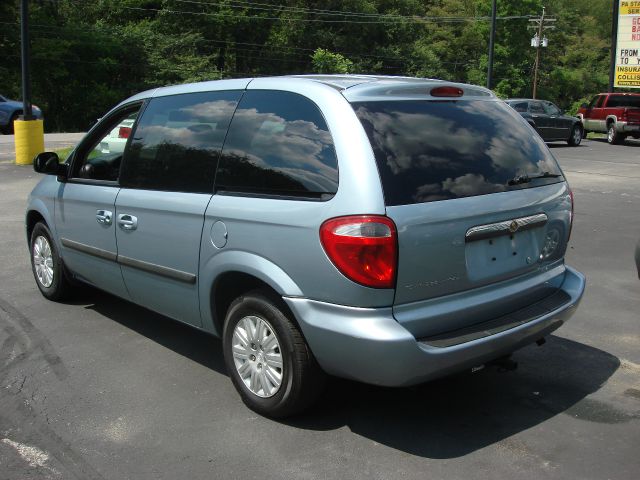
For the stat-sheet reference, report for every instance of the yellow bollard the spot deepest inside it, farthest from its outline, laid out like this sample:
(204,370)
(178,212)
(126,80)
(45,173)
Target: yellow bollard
(29,139)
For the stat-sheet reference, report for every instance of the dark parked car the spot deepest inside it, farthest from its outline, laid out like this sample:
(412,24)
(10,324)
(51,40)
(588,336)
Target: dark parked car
(10,110)
(549,121)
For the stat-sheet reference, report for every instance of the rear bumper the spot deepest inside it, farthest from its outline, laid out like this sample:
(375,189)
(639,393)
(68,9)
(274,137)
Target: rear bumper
(369,345)
(625,127)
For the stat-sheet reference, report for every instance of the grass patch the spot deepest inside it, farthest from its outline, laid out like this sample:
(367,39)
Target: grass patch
(596,135)
(63,153)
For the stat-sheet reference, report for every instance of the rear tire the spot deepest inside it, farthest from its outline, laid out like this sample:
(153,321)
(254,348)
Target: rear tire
(47,266)
(267,358)
(576,136)
(613,137)
(9,128)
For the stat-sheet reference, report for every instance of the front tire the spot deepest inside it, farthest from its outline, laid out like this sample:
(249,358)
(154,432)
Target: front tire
(46,264)
(267,358)
(576,136)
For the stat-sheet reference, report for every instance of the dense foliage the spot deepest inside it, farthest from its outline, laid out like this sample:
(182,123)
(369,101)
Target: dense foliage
(89,54)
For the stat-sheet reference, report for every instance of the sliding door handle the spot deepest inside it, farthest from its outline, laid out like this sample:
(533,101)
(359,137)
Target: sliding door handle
(127,222)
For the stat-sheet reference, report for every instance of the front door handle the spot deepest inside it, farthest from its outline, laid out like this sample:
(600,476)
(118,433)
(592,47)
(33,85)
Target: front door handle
(104,217)
(127,222)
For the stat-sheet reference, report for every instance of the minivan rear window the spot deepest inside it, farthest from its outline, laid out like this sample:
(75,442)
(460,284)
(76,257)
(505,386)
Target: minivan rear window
(443,149)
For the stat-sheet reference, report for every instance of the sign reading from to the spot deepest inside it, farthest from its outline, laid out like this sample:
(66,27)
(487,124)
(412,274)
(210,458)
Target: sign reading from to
(628,47)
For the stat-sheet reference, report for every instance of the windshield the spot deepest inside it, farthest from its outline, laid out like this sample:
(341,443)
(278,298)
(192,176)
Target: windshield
(437,150)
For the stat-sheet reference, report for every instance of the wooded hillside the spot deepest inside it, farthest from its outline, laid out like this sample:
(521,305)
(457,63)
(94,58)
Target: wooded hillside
(87,55)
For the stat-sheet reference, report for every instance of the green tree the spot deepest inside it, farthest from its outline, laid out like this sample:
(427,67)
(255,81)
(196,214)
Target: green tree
(324,61)
(89,55)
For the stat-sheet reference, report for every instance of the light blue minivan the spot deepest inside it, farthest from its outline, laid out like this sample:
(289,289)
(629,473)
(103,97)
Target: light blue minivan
(383,229)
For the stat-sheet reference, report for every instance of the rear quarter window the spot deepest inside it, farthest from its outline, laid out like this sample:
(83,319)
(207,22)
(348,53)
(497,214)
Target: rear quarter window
(278,144)
(442,149)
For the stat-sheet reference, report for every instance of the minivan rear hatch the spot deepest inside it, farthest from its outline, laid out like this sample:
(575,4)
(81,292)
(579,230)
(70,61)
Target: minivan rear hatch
(475,194)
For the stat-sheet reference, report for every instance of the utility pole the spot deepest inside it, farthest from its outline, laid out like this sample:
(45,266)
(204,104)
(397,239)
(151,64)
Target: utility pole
(27,113)
(539,41)
(492,39)
(28,131)
(614,44)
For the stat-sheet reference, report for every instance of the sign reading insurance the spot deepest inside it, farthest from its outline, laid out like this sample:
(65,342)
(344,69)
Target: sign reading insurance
(628,49)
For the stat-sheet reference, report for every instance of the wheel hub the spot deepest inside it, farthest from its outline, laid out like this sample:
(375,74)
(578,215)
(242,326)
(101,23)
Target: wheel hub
(43,261)
(257,356)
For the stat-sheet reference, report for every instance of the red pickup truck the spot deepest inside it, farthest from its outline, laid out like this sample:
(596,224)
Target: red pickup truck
(616,114)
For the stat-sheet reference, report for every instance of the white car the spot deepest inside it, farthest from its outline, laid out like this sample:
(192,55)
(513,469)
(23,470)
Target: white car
(117,138)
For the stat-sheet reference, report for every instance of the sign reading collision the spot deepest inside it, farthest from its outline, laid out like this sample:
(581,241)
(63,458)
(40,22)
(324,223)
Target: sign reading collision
(628,48)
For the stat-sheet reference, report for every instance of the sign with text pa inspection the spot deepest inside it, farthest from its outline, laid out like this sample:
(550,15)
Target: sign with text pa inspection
(628,49)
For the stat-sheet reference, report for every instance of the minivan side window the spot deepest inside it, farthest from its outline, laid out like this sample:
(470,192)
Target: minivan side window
(101,158)
(177,143)
(278,144)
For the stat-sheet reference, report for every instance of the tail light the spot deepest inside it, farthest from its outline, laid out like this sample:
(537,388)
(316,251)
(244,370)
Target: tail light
(571,217)
(623,115)
(124,132)
(363,247)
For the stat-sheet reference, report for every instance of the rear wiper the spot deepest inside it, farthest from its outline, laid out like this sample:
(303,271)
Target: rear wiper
(519,179)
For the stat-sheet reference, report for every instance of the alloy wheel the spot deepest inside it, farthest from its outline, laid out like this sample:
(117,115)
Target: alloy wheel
(257,356)
(43,261)
(577,135)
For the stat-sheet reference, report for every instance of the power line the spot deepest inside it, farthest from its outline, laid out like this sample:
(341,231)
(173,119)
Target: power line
(314,11)
(175,69)
(234,43)
(77,31)
(317,20)
(383,18)
(285,8)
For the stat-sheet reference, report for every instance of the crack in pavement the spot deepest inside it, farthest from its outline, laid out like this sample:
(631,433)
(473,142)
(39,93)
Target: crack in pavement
(17,411)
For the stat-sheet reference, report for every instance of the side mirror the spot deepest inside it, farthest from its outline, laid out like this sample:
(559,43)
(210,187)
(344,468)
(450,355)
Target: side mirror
(49,164)
(584,105)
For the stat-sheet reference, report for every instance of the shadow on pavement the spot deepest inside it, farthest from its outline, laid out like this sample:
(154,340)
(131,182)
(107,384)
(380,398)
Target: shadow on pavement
(443,419)
(562,145)
(194,344)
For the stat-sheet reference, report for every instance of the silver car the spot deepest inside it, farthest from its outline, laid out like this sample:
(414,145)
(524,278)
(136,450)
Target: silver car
(386,230)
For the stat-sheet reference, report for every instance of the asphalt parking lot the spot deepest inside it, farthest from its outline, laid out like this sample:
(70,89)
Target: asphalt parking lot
(102,389)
